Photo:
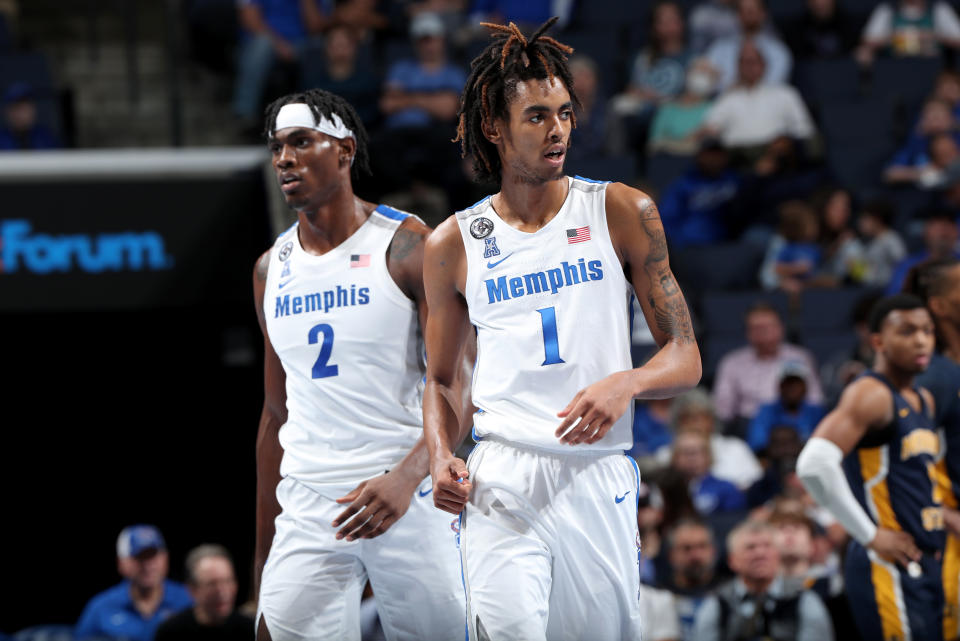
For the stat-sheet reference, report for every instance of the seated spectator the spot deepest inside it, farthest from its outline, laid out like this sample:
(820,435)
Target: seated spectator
(940,236)
(710,495)
(799,257)
(213,586)
(842,250)
(910,28)
(692,573)
(343,75)
(725,54)
(651,429)
(591,137)
(909,162)
(677,120)
(649,525)
(733,460)
(363,16)
(883,248)
(824,31)
(710,21)
(20,129)
(701,206)
(273,30)
(791,409)
(947,89)
(659,615)
(942,151)
(134,608)
(747,377)
(783,448)
(754,113)
(758,602)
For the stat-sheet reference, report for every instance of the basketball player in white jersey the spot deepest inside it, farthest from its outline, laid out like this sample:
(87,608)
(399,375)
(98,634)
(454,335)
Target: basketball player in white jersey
(544,269)
(342,493)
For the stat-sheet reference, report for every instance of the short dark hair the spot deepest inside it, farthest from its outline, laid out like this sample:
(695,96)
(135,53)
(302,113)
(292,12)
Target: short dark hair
(885,306)
(323,104)
(494,74)
(929,278)
(881,209)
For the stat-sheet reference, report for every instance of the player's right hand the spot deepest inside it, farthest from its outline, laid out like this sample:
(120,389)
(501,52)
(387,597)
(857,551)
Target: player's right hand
(451,483)
(895,546)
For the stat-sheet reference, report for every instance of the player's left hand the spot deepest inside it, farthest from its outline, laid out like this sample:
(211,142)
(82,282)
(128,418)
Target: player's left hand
(597,408)
(375,505)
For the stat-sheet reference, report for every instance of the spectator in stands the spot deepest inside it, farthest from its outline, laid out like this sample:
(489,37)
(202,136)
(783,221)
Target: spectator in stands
(341,73)
(710,495)
(651,427)
(799,258)
(213,586)
(942,151)
(910,28)
(21,130)
(649,526)
(791,409)
(528,14)
(419,102)
(700,207)
(910,160)
(747,376)
(134,608)
(947,89)
(274,30)
(796,537)
(842,250)
(710,21)
(753,114)
(692,577)
(676,122)
(824,31)
(591,138)
(783,448)
(725,54)
(940,236)
(758,603)
(659,615)
(733,460)
(883,248)
(363,16)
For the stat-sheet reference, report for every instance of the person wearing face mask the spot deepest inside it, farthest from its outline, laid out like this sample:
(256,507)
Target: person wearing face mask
(676,122)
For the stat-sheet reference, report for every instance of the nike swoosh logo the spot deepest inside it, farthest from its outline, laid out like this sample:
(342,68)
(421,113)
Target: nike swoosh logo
(619,499)
(492,265)
(423,494)
(284,283)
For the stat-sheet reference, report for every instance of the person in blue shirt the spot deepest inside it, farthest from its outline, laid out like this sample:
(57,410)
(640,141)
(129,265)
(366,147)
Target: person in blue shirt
(791,409)
(133,609)
(20,129)
(710,495)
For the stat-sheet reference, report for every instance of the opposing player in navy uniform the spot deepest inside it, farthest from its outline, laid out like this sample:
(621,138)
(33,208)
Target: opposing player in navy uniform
(342,494)
(545,269)
(882,435)
(937,282)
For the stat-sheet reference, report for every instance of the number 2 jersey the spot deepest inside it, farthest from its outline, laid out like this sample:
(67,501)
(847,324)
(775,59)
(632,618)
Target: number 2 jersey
(350,344)
(551,312)
(893,473)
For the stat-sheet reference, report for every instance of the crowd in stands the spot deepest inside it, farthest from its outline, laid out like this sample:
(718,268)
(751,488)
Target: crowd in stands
(804,155)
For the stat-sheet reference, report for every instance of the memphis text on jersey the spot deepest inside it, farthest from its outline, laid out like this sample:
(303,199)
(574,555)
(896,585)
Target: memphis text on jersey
(566,275)
(324,301)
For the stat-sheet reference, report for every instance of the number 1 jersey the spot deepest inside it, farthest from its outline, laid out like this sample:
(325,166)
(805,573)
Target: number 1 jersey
(551,311)
(350,344)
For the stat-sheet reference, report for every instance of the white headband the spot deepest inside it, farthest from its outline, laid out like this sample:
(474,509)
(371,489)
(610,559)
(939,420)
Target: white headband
(300,115)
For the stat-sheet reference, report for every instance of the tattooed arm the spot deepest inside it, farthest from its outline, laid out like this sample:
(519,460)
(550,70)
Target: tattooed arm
(637,235)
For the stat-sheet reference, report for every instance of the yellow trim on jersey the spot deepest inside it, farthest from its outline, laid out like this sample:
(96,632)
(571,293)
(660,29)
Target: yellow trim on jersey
(943,488)
(951,588)
(874,475)
(885,593)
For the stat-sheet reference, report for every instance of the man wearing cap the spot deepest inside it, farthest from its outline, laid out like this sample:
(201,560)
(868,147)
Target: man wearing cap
(132,609)
(791,408)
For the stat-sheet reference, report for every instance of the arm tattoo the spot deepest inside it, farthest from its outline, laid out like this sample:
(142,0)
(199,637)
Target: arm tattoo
(669,308)
(404,242)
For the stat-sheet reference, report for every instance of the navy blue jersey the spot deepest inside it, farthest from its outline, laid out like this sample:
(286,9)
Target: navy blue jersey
(942,378)
(892,472)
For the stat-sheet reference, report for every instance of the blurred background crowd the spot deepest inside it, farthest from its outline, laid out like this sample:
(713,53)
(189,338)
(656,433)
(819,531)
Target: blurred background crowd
(804,154)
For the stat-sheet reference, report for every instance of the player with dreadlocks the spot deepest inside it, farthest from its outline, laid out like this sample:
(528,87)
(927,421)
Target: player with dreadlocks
(937,283)
(544,270)
(340,449)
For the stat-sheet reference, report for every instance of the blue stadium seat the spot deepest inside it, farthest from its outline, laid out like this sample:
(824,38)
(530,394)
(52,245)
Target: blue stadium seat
(614,168)
(663,169)
(828,309)
(820,80)
(860,138)
(728,266)
(827,344)
(722,313)
(32,68)
(715,347)
(606,52)
(908,80)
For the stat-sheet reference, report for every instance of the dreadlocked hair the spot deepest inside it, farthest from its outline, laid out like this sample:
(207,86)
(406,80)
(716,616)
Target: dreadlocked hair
(325,104)
(930,278)
(510,58)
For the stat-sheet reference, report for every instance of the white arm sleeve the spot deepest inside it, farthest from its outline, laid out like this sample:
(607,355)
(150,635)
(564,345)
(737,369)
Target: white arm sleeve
(819,470)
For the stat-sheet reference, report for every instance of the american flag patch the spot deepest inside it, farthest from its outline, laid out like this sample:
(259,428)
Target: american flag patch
(359,260)
(578,235)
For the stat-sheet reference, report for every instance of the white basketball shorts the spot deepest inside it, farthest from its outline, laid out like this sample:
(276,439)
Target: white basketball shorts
(549,544)
(312,583)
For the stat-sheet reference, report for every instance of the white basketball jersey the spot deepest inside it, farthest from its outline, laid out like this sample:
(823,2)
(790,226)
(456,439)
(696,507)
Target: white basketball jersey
(350,344)
(551,310)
